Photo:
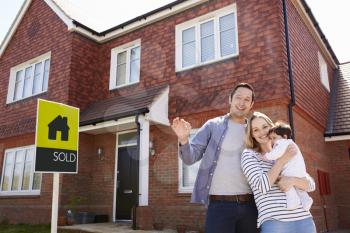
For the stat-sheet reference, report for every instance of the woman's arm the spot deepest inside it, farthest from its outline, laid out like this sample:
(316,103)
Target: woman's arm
(275,171)
(305,183)
(251,168)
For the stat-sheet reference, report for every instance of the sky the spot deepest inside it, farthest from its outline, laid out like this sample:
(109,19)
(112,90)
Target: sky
(332,16)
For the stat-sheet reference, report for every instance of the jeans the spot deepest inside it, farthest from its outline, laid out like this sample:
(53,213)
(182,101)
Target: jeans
(300,226)
(231,217)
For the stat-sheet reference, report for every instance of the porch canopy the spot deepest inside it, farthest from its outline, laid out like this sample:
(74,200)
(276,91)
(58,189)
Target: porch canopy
(118,113)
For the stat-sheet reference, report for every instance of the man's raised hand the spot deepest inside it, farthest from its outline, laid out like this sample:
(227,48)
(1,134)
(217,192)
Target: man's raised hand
(182,130)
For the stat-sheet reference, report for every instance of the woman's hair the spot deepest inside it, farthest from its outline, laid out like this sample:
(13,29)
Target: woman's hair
(250,142)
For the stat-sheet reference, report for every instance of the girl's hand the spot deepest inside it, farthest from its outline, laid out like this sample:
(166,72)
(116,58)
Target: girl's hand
(288,154)
(285,183)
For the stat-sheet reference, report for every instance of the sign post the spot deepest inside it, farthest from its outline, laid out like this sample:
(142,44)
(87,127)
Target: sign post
(56,144)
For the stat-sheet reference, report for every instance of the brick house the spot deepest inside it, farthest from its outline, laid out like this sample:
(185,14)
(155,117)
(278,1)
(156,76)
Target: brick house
(129,81)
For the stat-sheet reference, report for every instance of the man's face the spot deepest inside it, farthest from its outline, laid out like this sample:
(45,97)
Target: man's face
(241,102)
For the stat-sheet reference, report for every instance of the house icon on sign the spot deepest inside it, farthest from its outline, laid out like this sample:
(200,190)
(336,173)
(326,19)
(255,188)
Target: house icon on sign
(59,124)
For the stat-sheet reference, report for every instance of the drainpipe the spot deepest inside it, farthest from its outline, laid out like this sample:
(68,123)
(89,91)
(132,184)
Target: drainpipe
(137,171)
(290,73)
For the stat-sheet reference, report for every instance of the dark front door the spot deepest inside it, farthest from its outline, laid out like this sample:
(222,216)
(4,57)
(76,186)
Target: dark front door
(126,181)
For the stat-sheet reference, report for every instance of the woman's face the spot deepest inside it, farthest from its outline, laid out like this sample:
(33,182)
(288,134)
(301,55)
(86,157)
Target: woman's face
(260,129)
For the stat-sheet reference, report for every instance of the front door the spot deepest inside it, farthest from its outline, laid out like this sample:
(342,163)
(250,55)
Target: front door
(126,182)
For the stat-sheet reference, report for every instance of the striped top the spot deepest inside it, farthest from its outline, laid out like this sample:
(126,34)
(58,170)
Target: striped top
(270,200)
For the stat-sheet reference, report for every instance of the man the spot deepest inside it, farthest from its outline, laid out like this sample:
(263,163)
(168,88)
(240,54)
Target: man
(220,182)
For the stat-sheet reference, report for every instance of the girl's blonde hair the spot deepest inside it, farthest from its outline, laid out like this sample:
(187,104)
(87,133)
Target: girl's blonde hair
(250,142)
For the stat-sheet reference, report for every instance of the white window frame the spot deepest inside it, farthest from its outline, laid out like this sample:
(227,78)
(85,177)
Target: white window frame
(182,188)
(215,15)
(22,67)
(114,62)
(323,71)
(30,192)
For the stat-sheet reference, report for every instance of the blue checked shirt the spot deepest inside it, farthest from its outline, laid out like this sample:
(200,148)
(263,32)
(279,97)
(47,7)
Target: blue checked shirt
(205,145)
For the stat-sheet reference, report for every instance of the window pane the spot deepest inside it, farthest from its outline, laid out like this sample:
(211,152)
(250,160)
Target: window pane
(28,168)
(207,29)
(7,176)
(10,158)
(121,68)
(46,74)
(135,65)
(30,154)
(26,175)
(135,53)
(189,174)
(227,22)
(188,47)
(227,35)
(127,138)
(121,58)
(36,181)
(18,170)
(121,74)
(19,85)
(207,41)
(28,82)
(37,78)
(135,71)
(188,35)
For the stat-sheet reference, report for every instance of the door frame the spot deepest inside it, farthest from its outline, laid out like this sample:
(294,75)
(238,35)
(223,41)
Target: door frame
(117,146)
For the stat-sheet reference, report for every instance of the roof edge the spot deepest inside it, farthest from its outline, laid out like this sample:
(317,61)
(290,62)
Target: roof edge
(135,23)
(54,7)
(14,26)
(114,117)
(319,30)
(336,134)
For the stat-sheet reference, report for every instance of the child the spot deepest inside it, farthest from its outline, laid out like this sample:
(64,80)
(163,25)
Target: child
(280,135)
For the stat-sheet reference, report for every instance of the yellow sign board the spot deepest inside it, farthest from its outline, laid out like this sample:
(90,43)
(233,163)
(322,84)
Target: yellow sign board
(57,134)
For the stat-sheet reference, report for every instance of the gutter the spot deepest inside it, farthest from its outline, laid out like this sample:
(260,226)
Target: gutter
(290,73)
(113,117)
(134,217)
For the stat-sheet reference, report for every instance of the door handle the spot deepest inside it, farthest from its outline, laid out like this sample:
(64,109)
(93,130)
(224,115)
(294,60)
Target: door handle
(127,191)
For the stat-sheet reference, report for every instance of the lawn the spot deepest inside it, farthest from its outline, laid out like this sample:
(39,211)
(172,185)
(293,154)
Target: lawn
(23,228)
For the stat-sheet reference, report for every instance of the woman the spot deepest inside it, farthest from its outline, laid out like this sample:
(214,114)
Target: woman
(262,175)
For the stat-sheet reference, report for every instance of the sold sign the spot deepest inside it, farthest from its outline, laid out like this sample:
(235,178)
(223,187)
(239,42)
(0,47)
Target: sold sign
(57,132)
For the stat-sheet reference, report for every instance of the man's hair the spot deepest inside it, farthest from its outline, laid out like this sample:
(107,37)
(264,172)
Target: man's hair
(245,85)
(282,129)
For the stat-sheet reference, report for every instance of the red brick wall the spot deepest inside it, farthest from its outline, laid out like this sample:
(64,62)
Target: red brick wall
(85,80)
(94,182)
(37,208)
(340,158)
(260,61)
(34,37)
(310,94)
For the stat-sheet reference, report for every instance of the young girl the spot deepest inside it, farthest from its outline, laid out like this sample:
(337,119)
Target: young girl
(280,134)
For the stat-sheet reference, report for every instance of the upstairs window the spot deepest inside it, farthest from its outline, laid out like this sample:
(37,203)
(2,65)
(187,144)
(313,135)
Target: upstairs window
(125,65)
(207,39)
(18,177)
(29,79)
(323,71)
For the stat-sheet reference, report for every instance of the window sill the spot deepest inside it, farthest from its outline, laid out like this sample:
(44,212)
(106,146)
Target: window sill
(18,195)
(124,86)
(27,98)
(180,70)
